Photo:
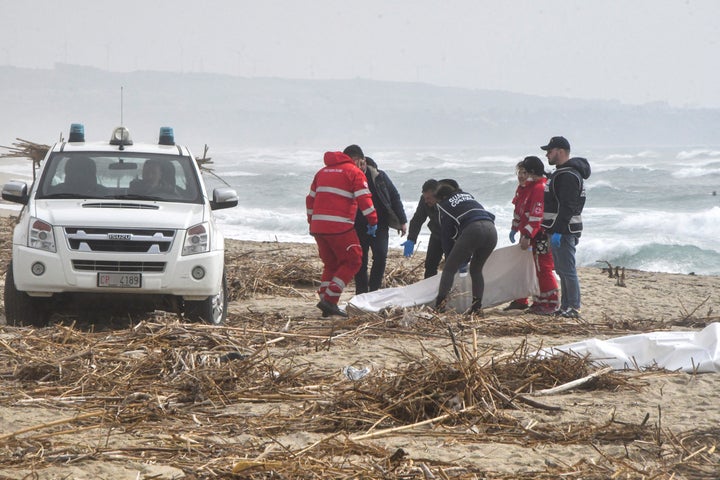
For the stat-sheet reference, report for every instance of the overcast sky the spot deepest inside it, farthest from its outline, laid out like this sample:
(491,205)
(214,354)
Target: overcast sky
(635,51)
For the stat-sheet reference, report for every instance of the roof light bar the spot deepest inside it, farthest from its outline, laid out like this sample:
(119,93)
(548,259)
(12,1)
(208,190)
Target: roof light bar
(167,136)
(77,132)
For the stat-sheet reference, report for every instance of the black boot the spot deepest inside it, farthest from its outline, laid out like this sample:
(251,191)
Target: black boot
(476,308)
(329,309)
(440,304)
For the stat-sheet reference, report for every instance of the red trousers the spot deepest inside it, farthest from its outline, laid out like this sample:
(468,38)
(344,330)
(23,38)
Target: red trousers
(341,255)
(544,267)
(545,270)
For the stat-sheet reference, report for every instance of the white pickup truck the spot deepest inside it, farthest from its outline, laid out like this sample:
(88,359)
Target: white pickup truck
(116,225)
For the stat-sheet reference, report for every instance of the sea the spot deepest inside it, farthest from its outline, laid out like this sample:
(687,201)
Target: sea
(648,208)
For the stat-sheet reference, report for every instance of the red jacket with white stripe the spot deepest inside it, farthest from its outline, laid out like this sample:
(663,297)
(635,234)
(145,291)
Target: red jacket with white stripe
(336,193)
(529,205)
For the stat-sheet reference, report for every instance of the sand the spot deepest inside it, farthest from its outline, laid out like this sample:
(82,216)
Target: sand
(299,339)
(272,402)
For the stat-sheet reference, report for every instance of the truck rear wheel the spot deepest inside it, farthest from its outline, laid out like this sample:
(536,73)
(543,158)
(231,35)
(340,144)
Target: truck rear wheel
(212,310)
(20,308)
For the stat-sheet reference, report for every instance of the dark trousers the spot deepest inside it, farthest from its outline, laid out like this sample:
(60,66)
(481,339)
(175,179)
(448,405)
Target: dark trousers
(378,245)
(477,240)
(433,256)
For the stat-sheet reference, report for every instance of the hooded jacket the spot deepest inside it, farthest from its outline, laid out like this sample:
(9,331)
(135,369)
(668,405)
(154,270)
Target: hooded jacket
(565,197)
(336,193)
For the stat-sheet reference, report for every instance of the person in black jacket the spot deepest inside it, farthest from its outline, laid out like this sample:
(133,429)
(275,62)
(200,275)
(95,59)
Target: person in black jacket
(562,220)
(468,233)
(426,209)
(391,214)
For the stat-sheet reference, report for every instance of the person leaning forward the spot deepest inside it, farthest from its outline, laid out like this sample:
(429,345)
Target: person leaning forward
(336,193)
(426,210)
(467,232)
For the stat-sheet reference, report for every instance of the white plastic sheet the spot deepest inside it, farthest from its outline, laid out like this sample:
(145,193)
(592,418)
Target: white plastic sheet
(509,274)
(687,351)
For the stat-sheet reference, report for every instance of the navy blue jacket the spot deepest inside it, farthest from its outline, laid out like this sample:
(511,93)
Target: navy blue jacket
(457,212)
(422,213)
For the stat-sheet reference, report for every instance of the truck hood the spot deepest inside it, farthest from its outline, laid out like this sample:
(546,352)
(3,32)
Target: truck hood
(114,213)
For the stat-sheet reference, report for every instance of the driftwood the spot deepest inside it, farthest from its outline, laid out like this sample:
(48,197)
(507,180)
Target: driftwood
(573,384)
(219,402)
(616,272)
(26,149)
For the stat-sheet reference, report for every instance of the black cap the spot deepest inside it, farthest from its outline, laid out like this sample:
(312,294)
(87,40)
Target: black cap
(533,165)
(557,142)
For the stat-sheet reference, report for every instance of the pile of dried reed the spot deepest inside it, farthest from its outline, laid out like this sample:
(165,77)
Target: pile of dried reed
(213,401)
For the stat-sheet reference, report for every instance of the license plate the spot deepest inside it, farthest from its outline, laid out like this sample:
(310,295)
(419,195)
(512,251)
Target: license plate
(119,280)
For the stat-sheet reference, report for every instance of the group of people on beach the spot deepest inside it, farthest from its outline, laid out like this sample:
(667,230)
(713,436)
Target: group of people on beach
(352,205)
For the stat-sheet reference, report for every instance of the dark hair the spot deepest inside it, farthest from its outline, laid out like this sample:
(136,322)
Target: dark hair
(533,165)
(370,162)
(431,184)
(445,190)
(354,151)
(449,181)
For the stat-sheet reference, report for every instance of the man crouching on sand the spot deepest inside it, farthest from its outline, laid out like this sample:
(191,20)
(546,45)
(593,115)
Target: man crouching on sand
(336,192)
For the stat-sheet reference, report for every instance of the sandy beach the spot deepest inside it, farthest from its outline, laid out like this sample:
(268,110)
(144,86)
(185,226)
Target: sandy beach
(270,394)
(266,396)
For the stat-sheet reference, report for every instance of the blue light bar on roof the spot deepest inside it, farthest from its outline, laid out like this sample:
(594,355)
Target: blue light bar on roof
(167,136)
(77,132)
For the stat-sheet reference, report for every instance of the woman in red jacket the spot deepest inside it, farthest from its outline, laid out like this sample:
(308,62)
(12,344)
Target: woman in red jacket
(529,206)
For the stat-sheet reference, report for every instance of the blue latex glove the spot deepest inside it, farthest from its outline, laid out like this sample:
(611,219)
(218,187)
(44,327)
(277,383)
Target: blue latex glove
(463,268)
(371,230)
(409,247)
(555,240)
(512,236)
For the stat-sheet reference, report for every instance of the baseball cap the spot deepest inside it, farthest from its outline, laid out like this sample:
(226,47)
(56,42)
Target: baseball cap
(557,142)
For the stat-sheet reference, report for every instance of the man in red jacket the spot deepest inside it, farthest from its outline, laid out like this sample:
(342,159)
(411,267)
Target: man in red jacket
(336,192)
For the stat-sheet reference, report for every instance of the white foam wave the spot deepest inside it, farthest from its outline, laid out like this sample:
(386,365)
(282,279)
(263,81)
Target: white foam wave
(695,153)
(694,172)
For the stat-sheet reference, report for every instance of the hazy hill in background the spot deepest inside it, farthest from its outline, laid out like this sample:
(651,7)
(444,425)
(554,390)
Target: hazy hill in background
(225,111)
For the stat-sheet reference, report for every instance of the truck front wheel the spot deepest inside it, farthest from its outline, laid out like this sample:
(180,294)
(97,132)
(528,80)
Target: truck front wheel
(212,310)
(20,308)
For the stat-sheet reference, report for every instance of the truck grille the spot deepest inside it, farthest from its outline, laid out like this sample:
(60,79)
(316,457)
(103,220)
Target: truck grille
(105,266)
(119,240)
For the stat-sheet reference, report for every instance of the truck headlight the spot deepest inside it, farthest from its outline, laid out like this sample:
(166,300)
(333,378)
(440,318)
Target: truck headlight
(41,235)
(197,240)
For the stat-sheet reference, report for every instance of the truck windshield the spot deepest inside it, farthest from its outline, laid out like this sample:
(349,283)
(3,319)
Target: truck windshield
(120,175)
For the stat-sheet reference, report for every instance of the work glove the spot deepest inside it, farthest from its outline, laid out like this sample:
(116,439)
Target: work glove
(409,248)
(371,230)
(555,240)
(512,236)
(463,268)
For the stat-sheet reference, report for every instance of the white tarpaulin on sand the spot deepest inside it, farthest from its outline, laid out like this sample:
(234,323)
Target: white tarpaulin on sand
(697,351)
(509,273)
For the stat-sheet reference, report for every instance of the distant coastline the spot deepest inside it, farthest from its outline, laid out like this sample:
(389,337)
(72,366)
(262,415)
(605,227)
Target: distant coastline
(223,110)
